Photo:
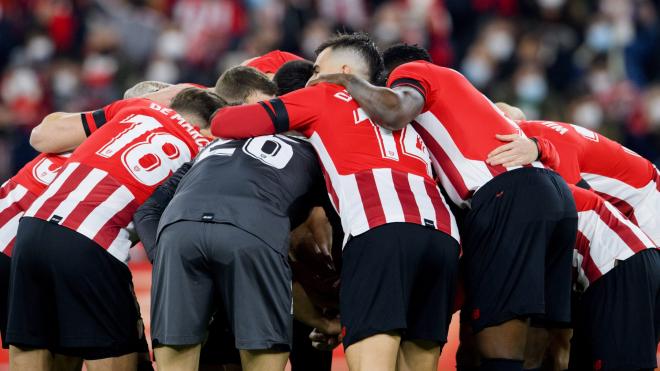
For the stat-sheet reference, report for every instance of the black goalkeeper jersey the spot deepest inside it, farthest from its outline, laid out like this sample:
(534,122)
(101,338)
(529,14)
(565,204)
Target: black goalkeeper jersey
(264,185)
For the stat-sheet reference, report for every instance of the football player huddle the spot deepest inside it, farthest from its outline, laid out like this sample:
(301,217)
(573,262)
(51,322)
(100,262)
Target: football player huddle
(360,199)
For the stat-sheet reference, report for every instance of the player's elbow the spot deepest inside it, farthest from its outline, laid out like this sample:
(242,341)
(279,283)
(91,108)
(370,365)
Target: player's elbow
(39,140)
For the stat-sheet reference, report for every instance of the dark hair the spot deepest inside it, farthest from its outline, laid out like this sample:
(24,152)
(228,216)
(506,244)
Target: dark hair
(361,43)
(200,102)
(293,75)
(237,83)
(398,54)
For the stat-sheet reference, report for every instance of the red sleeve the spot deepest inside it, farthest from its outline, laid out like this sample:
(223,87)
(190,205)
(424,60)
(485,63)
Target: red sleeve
(94,120)
(547,153)
(414,75)
(294,111)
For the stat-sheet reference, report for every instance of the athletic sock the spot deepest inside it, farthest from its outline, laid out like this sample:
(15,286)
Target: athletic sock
(499,364)
(464,368)
(532,369)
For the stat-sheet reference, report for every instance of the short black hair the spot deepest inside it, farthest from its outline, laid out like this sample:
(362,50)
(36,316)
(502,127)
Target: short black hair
(200,102)
(293,75)
(398,54)
(363,45)
(237,83)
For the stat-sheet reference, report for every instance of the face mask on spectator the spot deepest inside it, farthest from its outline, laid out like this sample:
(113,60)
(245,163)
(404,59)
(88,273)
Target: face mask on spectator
(478,70)
(654,112)
(171,45)
(600,82)
(600,36)
(531,88)
(21,83)
(65,82)
(588,115)
(551,4)
(500,44)
(163,70)
(39,49)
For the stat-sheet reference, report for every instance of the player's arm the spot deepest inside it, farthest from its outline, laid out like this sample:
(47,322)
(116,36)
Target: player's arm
(305,312)
(63,132)
(58,132)
(147,216)
(293,111)
(390,108)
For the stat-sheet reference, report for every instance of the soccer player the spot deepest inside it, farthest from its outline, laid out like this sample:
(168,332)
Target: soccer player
(619,175)
(292,76)
(617,317)
(520,227)
(400,257)
(241,84)
(271,62)
(69,261)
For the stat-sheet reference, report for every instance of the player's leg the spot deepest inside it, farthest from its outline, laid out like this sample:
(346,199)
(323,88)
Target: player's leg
(177,357)
(31,324)
(182,296)
(126,362)
(433,269)
(559,349)
(538,340)
(219,350)
(376,352)
(263,360)
(66,363)
(254,282)
(418,355)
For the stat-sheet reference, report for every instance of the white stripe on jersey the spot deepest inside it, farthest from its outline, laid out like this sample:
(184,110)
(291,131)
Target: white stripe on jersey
(80,193)
(329,167)
(388,195)
(120,247)
(353,209)
(645,201)
(52,189)
(606,246)
(474,173)
(93,222)
(582,281)
(641,235)
(422,199)
(8,231)
(12,197)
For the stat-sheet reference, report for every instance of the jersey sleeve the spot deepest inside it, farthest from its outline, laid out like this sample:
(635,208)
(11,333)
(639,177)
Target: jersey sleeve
(548,154)
(147,216)
(94,120)
(294,111)
(414,75)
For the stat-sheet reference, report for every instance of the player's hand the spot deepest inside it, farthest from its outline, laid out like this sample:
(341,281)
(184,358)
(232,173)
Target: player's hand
(325,342)
(342,79)
(517,152)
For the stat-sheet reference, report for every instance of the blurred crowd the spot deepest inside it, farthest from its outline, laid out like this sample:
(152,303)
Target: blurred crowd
(594,63)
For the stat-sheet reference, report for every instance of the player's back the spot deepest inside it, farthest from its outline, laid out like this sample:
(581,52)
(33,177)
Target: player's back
(458,124)
(597,155)
(137,146)
(375,175)
(605,237)
(265,185)
(18,193)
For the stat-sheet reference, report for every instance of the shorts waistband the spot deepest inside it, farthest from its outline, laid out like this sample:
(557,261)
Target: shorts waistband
(503,179)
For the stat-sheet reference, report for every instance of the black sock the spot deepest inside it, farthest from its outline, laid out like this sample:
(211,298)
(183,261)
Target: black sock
(499,364)
(466,368)
(532,369)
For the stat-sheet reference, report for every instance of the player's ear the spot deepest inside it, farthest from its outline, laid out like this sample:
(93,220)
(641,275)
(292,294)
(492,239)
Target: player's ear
(346,69)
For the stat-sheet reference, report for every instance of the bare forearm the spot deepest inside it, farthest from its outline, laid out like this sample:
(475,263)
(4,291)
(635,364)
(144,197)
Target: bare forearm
(57,132)
(382,105)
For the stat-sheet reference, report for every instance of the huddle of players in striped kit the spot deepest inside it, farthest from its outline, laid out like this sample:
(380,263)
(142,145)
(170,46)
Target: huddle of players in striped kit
(364,198)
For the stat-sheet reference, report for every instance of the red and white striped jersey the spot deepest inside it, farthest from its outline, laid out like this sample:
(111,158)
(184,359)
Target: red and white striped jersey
(139,145)
(374,176)
(18,193)
(458,124)
(605,237)
(619,175)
